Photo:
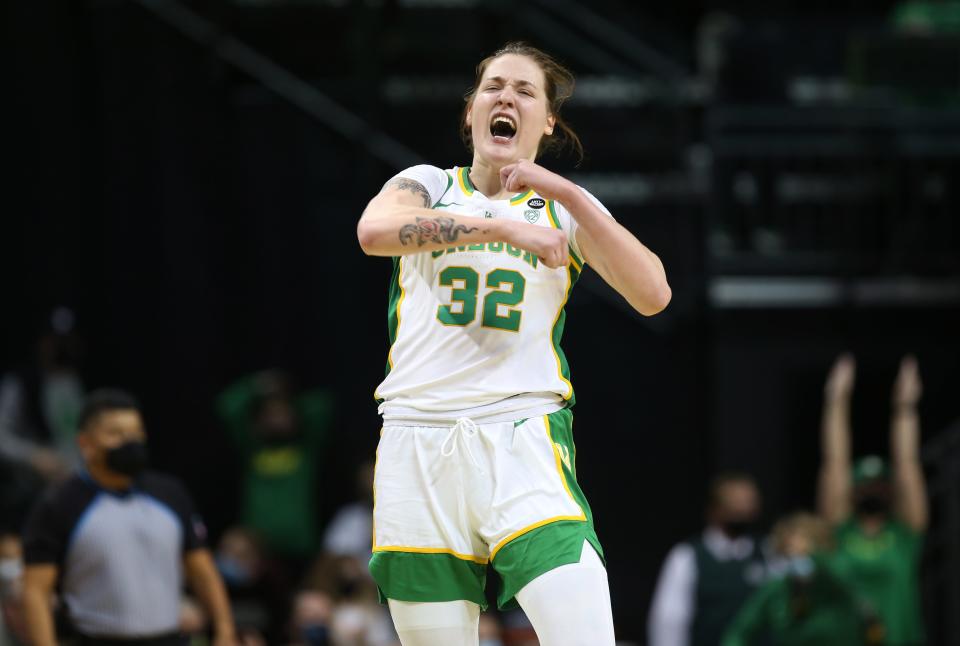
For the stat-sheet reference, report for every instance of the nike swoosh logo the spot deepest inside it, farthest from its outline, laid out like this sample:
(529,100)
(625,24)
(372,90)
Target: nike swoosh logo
(439,204)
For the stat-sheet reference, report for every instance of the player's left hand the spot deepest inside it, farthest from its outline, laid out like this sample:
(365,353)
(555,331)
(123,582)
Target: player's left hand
(525,174)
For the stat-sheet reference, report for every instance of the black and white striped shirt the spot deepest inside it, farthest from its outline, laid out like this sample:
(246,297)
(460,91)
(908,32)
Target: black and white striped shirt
(119,554)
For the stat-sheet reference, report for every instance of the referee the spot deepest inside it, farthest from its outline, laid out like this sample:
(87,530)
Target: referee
(115,542)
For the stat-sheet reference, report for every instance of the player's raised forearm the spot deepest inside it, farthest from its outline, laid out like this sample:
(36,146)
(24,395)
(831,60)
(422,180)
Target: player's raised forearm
(623,261)
(408,229)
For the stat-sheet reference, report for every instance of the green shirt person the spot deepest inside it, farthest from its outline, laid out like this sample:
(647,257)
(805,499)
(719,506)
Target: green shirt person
(880,513)
(883,568)
(923,17)
(279,437)
(808,604)
(704,581)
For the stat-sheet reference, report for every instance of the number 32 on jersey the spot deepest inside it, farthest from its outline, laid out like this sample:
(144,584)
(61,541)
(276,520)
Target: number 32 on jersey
(499,304)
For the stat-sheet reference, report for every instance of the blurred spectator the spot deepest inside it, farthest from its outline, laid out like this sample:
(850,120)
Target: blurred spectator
(258,592)
(714,33)
(880,516)
(310,621)
(489,629)
(341,573)
(12,630)
(115,542)
(195,626)
(356,617)
(807,605)
(704,581)
(39,407)
(350,531)
(280,438)
(517,629)
(926,18)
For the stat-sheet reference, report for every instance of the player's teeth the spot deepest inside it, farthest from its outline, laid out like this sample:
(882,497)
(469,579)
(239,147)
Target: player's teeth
(506,120)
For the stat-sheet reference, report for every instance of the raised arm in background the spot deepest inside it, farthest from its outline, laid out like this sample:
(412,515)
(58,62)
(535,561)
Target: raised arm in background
(398,221)
(834,489)
(909,487)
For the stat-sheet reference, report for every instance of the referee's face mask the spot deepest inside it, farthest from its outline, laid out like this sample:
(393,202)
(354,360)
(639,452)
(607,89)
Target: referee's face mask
(116,441)
(129,459)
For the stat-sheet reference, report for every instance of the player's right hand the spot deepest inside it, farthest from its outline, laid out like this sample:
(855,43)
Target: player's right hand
(549,245)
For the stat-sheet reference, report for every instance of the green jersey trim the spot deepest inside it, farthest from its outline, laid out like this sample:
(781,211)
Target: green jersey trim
(563,368)
(555,221)
(520,197)
(425,577)
(449,184)
(394,301)
(538,552)
(463,175)
(552,214)
(395,297)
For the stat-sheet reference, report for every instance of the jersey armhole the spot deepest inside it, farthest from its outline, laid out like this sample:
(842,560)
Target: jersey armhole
(554,216)
(446,190)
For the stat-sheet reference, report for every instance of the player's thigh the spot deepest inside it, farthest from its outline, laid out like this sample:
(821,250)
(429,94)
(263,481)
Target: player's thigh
(451,623)
(423,550)
(570,605)
(541,517)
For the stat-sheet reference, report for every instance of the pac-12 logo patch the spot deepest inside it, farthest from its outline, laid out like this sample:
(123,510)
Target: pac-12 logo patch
(531,215)
(536,203)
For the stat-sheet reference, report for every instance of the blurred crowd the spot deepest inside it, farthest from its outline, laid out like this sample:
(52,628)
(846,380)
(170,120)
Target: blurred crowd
(844,575)
(847,575)
(287,581)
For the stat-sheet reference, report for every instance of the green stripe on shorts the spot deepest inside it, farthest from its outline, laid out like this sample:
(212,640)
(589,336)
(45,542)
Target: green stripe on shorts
(428,577)
(537,552)
(559,543)
(561,432)
(413,576)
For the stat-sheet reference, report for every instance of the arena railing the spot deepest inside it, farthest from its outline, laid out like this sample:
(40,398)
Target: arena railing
(284,83)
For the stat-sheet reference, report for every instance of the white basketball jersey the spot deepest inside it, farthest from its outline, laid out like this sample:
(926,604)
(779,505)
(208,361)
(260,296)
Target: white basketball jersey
(475,329)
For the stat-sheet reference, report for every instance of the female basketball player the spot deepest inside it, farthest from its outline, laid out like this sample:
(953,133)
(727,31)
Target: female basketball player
(476,462)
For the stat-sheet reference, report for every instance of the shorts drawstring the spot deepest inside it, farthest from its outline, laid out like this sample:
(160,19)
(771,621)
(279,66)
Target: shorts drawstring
(513,437)
(468,429)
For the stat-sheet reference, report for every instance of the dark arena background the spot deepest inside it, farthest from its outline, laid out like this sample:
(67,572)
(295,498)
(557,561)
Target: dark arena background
(184,180)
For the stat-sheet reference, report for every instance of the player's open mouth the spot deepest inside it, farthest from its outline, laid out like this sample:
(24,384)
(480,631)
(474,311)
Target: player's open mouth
(503,128)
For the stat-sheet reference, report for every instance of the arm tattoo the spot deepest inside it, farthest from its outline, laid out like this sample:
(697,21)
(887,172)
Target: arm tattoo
(414,187)
(438,229)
